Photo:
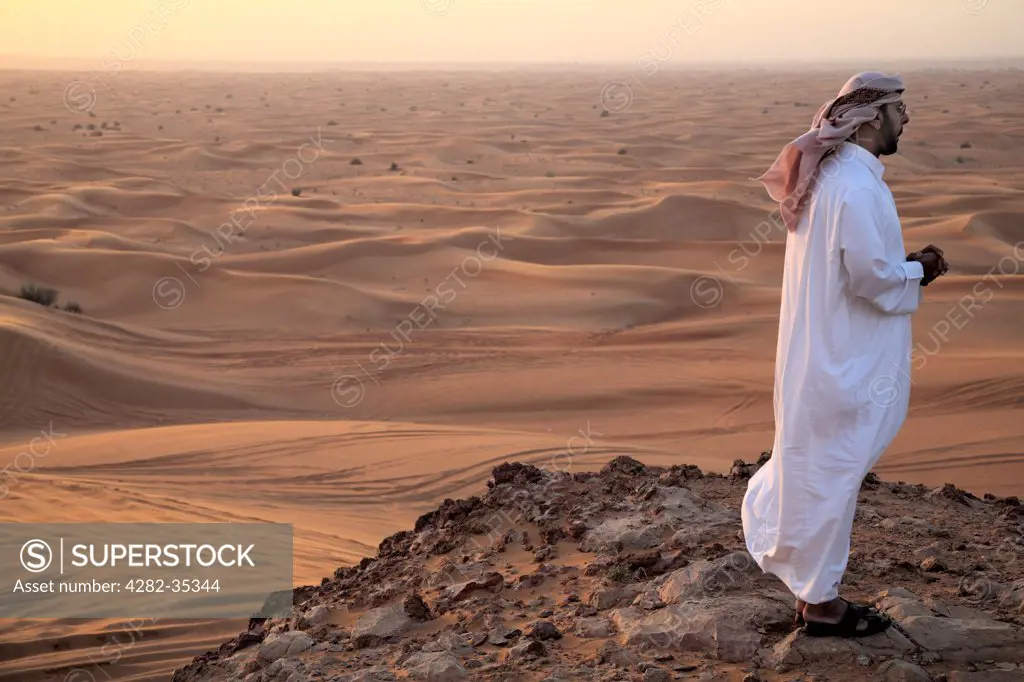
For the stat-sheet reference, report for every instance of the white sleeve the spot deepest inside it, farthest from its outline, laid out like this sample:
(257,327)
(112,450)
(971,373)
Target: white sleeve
(891,286)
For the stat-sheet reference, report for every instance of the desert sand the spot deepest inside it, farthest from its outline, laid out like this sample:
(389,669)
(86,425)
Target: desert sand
(532,280)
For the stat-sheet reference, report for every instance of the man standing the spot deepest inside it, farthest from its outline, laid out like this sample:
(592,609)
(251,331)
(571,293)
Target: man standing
(842,375)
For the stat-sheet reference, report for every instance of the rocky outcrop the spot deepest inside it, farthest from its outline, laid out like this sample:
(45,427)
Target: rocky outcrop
(640,573)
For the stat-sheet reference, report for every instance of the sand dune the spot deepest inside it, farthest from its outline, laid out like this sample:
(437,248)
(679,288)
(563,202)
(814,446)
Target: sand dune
(531,281)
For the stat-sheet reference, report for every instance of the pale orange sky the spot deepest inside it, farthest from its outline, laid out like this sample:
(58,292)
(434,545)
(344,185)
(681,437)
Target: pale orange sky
(680,31)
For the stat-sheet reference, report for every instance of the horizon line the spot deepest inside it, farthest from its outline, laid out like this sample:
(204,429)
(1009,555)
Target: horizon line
(8,62)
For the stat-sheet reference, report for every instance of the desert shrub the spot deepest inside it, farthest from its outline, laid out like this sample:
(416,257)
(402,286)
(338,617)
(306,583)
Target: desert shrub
(356,162)
(619,574)
(38,294)
(965,145)
(959,159)
(622,152)
(297,192)
(394,166)
(605,113)
(73,307)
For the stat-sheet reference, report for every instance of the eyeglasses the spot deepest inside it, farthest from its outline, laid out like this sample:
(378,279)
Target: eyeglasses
(901,107)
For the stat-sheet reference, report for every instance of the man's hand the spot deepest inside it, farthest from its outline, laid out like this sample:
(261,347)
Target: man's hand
(932,260)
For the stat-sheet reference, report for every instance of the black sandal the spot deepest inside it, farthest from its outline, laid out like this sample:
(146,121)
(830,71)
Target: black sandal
(873,621)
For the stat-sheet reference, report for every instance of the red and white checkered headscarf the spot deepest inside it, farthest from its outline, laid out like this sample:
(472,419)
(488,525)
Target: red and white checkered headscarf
(791,176)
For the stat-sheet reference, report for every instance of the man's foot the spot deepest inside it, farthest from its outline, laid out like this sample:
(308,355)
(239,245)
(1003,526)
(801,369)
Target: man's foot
(840,618)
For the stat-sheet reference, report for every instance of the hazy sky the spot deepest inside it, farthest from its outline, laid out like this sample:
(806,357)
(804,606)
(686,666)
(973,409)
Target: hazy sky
(510,30)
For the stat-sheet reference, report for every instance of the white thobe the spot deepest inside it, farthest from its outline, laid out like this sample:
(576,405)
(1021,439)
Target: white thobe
(842,374)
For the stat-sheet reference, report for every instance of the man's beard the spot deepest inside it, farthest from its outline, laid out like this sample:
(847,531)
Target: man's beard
(892,143)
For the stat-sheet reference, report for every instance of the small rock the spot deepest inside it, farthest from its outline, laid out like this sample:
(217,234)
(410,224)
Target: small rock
(543,630)
(611,653)
(933,564)
(544,553)
(896,670)
(657,675)
(315,616)
(570,598)
(863,660)
(527,649)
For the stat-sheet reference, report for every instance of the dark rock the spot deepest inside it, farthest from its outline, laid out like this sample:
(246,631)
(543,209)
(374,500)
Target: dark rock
(543,630)
(624,464)
(516,473)
(678,474)
(416,608)
(657,675)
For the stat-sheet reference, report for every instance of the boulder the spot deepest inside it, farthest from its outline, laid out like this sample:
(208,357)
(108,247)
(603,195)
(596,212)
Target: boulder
(703,579)
(377,625)
(965,640)
(280,645)
(594,628)
(728,629)
(632,531)
(798,650)
(987,676)
(434,667)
